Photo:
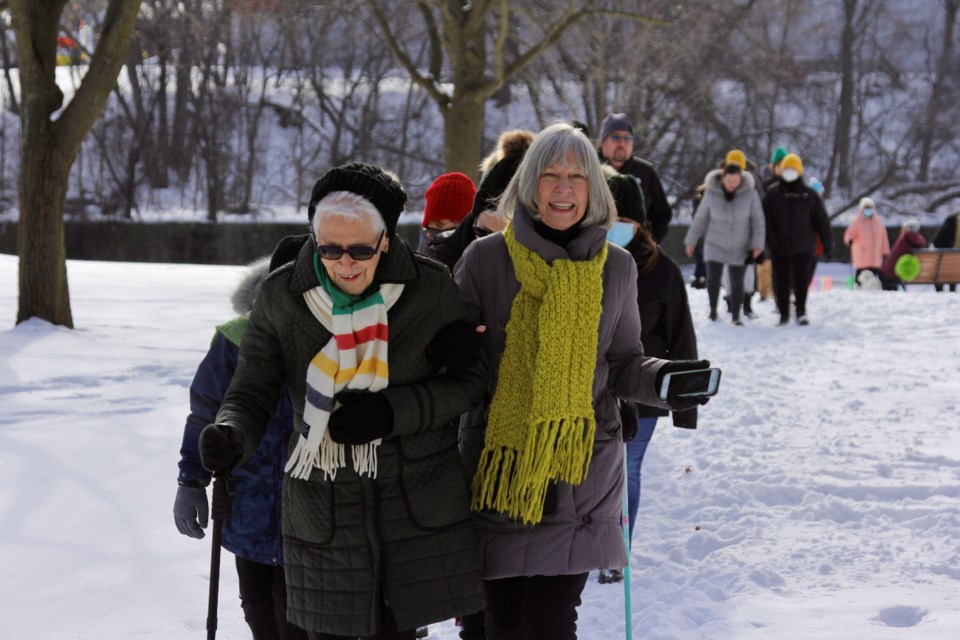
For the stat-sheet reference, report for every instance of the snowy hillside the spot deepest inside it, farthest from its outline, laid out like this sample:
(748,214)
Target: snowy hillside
(820,497)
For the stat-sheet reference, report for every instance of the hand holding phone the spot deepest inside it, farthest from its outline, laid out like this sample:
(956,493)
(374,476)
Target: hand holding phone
(685,384)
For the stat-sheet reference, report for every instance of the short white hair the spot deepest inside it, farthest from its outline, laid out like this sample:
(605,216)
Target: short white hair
(348,206)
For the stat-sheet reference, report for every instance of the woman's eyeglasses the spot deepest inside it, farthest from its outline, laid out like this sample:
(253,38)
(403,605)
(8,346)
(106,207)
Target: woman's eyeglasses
(360,253)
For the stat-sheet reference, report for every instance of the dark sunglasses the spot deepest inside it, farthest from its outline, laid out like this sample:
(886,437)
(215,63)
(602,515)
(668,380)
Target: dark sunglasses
(360,253)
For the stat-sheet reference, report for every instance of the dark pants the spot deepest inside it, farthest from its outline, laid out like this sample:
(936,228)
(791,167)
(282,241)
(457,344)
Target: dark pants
(791,271)
(714,275)
(263,597)
(473,626)
(533,607)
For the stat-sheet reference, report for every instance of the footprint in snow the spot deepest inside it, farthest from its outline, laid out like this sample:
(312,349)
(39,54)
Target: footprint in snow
(901,616)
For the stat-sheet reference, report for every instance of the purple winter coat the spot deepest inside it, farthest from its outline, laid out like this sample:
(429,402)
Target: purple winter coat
(581,526)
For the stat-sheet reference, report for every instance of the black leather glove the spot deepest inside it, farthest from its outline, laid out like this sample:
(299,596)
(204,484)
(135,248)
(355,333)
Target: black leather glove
(688,402)
(190,511)
(456,346)
(629,420)
(221,447)
(361,418)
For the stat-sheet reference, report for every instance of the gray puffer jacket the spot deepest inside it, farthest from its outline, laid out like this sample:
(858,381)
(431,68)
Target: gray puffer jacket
(730,228)
(581,526)
(405,537)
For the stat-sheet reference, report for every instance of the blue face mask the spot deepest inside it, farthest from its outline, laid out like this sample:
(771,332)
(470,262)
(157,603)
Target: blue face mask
(868,213)
(620,234)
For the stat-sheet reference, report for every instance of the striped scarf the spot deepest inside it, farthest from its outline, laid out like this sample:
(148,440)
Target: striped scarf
(355,358)
(541,424)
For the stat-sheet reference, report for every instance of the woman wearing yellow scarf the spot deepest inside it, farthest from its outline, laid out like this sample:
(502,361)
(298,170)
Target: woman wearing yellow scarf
(562,342)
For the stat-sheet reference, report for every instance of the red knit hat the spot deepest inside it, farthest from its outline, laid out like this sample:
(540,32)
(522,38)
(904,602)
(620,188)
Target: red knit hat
(450,197)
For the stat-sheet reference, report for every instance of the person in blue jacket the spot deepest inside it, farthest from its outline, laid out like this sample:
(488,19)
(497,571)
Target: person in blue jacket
(251,531)
(666,329)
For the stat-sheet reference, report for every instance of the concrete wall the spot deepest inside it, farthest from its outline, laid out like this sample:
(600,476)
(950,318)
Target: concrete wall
(229,243)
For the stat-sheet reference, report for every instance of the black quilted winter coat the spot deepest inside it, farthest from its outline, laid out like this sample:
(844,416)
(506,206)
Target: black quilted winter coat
(406,537)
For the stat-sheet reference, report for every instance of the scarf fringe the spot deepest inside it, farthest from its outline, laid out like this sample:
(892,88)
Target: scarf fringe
(515,482)
(331,457)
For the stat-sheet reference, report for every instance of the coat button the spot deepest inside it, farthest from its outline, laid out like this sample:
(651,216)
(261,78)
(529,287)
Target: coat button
(586,519)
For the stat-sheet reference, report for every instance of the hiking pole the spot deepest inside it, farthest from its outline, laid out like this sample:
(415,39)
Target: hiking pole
(625,523)
(222,490)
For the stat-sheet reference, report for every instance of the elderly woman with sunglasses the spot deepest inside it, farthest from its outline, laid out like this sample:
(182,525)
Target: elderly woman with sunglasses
(377,532)
(563,342)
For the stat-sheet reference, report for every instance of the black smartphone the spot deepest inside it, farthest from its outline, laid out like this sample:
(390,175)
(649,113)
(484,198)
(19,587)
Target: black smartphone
(699,382)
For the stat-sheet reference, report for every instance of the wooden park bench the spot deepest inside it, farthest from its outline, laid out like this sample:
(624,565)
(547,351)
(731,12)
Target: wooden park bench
(938,266)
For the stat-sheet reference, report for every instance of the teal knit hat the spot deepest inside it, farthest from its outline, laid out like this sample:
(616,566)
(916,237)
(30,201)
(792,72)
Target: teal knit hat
(778,154)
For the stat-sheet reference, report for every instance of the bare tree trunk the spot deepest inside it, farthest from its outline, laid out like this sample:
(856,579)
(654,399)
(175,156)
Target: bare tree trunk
(950,8)
(49,147)
(840,161)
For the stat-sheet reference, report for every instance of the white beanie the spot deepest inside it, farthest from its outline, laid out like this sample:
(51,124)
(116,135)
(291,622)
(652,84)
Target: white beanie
(867,203)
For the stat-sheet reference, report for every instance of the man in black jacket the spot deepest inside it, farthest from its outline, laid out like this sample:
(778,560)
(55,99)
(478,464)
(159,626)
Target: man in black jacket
(616,149)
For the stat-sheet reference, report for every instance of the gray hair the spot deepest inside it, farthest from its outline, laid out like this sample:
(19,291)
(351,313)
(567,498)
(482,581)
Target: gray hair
(349,206)
(550,147)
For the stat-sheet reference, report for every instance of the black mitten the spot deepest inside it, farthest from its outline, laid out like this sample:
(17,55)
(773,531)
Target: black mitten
(673,366)
(456,346)
(361,418)
(221,447)
(629,420)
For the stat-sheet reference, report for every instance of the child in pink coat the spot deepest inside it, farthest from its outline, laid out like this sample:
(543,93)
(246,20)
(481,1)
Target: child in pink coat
(867,238)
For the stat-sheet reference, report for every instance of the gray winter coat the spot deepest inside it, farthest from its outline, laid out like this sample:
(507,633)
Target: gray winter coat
(730,228)
(581,526)
(405,537)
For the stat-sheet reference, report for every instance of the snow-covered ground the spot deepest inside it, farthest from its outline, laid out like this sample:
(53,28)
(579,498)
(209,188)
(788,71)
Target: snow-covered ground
(820,497)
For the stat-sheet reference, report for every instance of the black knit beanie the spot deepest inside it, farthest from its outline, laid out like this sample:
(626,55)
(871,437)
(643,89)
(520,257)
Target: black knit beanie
(626,193)
(495,183)
(371,182)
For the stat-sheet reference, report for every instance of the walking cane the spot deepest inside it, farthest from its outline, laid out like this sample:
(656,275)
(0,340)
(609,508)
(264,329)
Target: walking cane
(222,490)
(625,523)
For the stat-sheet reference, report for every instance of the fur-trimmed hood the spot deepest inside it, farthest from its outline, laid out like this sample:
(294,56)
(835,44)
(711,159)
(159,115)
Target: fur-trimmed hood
(713,181)
(510,143)
(248,288)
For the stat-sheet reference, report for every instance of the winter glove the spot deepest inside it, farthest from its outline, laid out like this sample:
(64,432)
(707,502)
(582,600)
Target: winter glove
(629,420)
(361,418)
(221,447)
(190,511)
(456,346)
(688,402)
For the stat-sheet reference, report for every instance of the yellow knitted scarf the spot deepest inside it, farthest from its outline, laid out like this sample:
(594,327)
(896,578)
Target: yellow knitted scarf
(541,423)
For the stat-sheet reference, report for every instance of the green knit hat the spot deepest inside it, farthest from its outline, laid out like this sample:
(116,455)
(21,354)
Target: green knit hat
(907,267)
(778,154)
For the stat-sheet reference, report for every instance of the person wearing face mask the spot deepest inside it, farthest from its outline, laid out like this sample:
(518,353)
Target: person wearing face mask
(867,238)
(730,219)
(795,216)
(666,327)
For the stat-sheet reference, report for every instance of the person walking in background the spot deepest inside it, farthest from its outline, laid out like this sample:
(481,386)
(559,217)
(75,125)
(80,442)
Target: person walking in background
(497,169)
(730,220)
(616,149)
(866,236)
(948,237)
(770,173)
(545,451)
(907,242)
(252,529)
(371,341)
(449,199)
(795,216)
(666,329)
(820,190)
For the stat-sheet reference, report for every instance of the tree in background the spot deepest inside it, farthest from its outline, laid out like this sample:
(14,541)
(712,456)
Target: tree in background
(50,144)
(471,40)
